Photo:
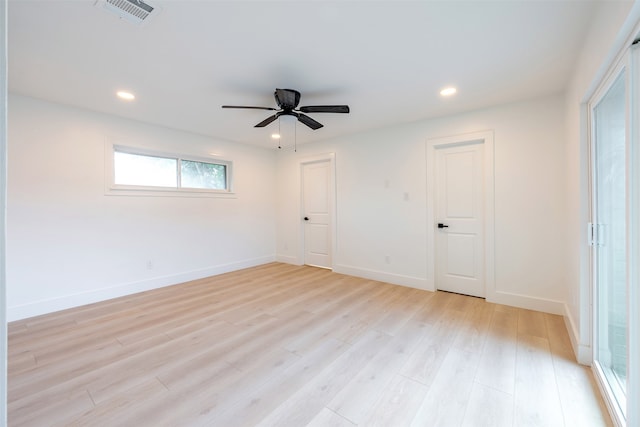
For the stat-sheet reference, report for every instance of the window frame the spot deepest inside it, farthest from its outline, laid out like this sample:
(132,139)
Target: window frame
(111,188)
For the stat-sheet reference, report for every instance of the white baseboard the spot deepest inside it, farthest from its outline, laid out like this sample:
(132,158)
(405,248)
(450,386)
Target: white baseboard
(381,276)
(582,352)
(527,302)
(69,301)
(287,259)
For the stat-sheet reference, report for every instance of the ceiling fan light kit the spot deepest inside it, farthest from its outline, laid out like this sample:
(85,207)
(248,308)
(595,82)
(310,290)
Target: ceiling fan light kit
(287,101)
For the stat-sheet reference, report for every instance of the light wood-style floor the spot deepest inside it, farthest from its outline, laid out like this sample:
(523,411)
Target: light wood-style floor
(297,346)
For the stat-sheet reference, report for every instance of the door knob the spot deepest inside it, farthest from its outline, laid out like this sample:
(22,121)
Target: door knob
(441,225)
(306,218)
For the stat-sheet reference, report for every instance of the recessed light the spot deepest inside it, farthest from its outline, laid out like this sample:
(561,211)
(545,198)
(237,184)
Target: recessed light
(127,96)
(448,91)
(275,135)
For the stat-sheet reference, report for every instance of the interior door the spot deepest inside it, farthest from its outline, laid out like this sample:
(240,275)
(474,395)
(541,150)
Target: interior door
(316,181)
(459,234)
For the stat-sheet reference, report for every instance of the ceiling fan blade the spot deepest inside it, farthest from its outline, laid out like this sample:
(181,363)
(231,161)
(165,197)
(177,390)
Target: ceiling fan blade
(251,108)
(266,121)
(309,122)
(325,109)
(287,99)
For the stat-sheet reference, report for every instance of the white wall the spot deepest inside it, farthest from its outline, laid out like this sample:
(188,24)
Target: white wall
(375,169)
(70,244)
(609,29)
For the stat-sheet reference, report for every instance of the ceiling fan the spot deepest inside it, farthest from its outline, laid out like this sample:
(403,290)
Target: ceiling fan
(287,101)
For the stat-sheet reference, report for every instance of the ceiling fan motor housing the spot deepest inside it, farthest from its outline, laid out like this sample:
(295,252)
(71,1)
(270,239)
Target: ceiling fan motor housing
(287,99)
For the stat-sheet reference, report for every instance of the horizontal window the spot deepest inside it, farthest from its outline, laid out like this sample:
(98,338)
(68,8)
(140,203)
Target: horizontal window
(142,170)
(203,175)
(148,171)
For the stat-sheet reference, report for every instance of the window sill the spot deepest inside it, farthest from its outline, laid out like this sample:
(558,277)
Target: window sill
(168,192)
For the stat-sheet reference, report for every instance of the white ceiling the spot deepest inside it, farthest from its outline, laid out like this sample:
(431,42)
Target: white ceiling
(386,59)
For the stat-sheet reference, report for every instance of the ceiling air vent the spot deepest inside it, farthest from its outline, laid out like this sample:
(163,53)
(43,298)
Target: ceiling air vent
(135,11)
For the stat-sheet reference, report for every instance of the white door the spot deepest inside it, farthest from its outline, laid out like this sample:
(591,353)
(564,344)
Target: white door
(316,195)
(459,227)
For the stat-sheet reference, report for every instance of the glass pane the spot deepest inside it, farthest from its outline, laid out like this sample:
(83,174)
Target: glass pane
(137,169)
(611,258)
(203,175)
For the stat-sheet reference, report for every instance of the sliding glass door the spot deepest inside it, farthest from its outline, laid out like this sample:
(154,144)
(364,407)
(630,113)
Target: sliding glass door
(610,260)
(615,240)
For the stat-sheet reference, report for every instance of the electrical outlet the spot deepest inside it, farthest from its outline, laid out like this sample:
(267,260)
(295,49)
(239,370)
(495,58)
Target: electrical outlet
(150,264)
(387,259)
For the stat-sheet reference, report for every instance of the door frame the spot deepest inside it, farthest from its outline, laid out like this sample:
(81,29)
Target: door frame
(327,157)
(434,144)
(633,248)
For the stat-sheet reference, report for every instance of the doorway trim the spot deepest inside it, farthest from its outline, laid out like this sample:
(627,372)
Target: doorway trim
(326,157)
(489,210)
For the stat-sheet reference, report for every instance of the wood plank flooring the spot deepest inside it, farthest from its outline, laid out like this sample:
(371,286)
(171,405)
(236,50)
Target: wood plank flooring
(283,345)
